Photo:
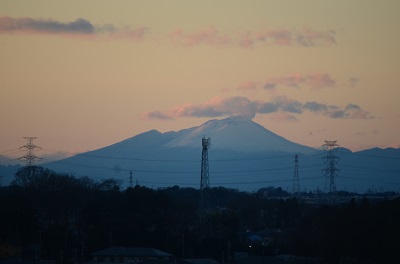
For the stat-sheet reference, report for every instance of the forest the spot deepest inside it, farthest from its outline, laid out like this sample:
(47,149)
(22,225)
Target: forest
(48,214)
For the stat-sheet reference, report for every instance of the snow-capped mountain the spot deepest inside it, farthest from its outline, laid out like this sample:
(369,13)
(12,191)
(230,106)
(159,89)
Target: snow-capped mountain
(238,135)
(243,155)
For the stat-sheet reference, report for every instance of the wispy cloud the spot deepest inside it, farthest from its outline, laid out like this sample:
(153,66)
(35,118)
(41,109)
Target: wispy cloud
(283,117)
(216,107)
(248,39)
(246,108)
(306,37)
(315,107)
(312,80)
(292,80)
(232,106)
(133,34)
(280,103)
(208,36)
(247,86)
(79,27)
(156,115)
(320,80)
(350,111)
(355,112)
(353,81)
(26,24)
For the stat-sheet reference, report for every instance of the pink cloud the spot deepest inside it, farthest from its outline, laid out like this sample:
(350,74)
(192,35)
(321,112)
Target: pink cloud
(204,36)
(231,106)
(247,86)
(246,108)
(312,37)
(313,80)
(293,80)
(209,35)
(246,40)
(249,39)
(215,107)
(306,37)
(277,37)
(320,80)
(136,34)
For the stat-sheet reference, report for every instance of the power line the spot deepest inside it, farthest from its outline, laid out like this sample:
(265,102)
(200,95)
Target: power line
(232,173)
(10,151)
(185,160)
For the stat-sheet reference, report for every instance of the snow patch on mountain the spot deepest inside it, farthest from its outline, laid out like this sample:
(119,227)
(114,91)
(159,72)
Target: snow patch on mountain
(237,135)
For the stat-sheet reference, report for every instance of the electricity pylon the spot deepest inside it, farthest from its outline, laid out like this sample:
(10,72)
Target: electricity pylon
(330,171)
(30,156)
(204,188)
(296,180)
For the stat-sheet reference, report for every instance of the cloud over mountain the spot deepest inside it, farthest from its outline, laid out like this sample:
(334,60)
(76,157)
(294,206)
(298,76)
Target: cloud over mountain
(247,109)
(216,107)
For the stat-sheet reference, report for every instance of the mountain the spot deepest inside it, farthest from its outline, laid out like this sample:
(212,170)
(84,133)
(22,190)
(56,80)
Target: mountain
(7,172)
(237,135)
(243,155)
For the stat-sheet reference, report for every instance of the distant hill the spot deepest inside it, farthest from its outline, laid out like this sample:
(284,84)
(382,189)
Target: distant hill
(243,155)
(7,172)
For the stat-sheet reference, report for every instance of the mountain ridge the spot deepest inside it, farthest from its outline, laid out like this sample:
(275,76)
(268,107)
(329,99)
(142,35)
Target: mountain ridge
(243,155)
(231,133)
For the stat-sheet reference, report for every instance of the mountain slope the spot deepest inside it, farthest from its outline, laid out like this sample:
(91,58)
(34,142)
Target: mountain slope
(237,135)
(243,155)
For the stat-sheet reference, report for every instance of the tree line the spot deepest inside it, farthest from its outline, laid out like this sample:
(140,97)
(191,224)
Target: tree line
(49,215)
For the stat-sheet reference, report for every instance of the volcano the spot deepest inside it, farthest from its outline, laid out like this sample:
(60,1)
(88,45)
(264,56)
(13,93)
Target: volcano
(243,155)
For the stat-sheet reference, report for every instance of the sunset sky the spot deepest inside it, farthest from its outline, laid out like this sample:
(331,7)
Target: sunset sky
(81,75)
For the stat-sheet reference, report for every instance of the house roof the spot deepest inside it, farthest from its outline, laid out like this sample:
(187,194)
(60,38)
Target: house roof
(132,251)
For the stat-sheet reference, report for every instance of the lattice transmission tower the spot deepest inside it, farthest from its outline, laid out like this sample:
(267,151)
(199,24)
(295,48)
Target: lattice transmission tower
(330,159)
(296,179)
(30,156)
(204,186)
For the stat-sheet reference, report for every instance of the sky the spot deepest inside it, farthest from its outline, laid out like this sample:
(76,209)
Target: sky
(82,75)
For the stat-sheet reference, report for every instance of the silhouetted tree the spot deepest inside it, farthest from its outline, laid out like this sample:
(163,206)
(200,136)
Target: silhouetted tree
(77,216)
